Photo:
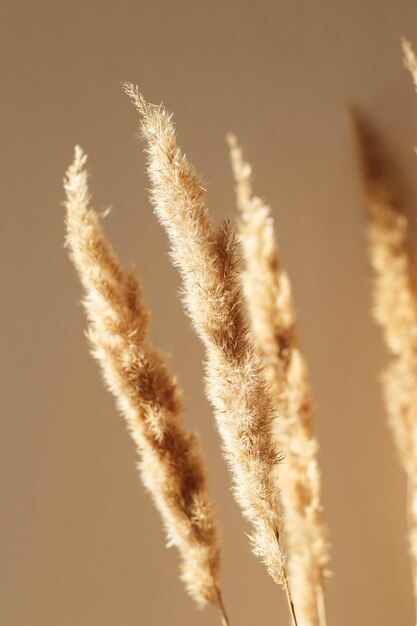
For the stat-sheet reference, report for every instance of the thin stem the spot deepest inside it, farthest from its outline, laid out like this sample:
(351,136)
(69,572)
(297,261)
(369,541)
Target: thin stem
(289,596)
(411,521)
(286,583)
(223,618)
(223,615)
(321,604)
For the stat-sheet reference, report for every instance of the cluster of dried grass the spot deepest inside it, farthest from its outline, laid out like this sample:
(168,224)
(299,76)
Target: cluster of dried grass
(257,380)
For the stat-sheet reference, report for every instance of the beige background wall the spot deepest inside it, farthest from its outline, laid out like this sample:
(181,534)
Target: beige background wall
(80,543)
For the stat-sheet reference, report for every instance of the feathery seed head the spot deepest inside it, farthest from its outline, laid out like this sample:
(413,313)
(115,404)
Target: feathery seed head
(147,395)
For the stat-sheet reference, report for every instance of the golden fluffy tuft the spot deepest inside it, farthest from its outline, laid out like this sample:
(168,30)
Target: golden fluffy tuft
(235,383)
(171,464)
(274,326)
(394,305)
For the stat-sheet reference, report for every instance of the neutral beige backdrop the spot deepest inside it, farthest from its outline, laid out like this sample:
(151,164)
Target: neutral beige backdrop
(81,545)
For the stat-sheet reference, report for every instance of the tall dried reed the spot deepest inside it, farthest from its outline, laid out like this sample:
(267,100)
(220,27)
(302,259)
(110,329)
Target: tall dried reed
(147,395)
(274,326)
(395,307)
(236,385)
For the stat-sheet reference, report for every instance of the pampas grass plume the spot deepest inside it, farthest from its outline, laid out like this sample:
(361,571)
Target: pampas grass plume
(274,326)
(394,305)
(235,382)
(171,464)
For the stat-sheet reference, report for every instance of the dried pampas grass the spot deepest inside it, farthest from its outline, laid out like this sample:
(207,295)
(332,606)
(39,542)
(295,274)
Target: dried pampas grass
(274,327)
(395,305)
(256,375)
(147,395)
(410,60)
(236,386)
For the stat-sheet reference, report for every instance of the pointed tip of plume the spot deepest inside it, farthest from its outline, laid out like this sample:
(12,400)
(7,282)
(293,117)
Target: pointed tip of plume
(75,170)
(79,154)
(389,253)
(154,119)
(231,140)
(130,89)
(139,102)
(78,162)
(409,58)
(242,174)
(375,166)
(404,42)
(76,185)
(366,143)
